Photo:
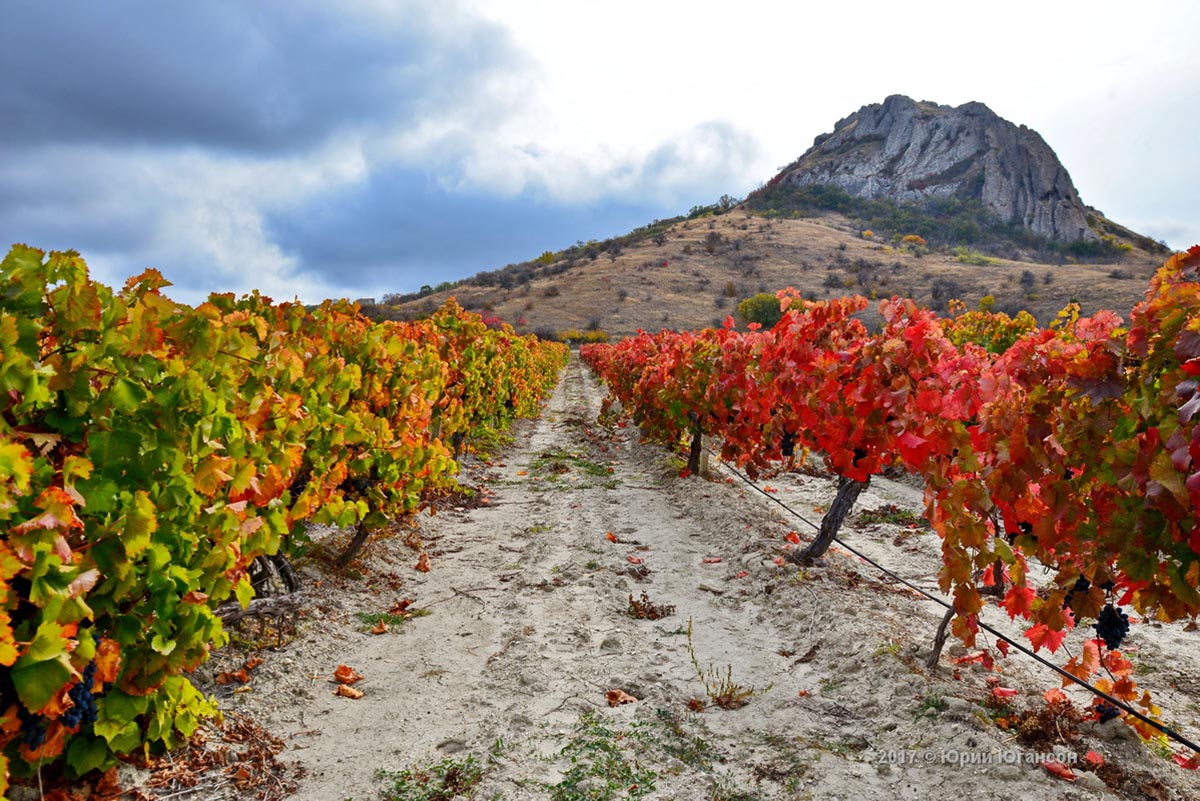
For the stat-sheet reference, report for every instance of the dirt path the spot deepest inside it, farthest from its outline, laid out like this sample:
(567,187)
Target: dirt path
(528,627)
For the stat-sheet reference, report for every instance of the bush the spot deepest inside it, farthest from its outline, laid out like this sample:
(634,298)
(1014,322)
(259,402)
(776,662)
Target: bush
(762,308)
(552,291)
(965,255)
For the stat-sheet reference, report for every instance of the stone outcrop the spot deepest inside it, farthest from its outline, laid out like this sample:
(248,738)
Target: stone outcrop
(908,151)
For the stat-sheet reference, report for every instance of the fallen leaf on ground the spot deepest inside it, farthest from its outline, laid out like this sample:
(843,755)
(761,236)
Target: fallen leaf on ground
(422,563)
(610,537)
(1060,770)
(380,628)
(711,560)
(346,691)
(1095,757)
(804,693)
(344,674)
(1055,696)
(1003,692)
(634,560)
(618,697)
(253,662)
(741,574)
(793,538)
(230,676)
(400,607)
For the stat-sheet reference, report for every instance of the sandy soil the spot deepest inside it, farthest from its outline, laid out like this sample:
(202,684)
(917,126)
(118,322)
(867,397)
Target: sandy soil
(528,627)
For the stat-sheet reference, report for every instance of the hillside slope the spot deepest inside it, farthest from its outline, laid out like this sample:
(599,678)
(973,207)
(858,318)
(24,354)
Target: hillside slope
(705,265)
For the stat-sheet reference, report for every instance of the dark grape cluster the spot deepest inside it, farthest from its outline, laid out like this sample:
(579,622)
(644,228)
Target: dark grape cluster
(84,709)
(787,444)
(1080,588)
(34,735)
(1112,626)
(1106,712)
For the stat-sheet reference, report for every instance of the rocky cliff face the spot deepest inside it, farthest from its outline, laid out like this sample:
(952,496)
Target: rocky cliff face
(906,151)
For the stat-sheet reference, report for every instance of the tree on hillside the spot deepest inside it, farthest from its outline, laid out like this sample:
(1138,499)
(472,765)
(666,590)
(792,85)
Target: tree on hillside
(762,308)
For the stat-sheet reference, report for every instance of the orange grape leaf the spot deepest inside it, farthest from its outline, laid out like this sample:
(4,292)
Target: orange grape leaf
(793,538)
(618,697)
(253,662)
(1125,688)
(610,537)
(1000,693)
(711,560)
(211,474)
(1060,770)
(380,628)
(8,643)
(634,560)
(108,661)
(1117,664)
(1019,601)
(1095,757)
(344,674)
(1042,636)
(803,693)
(347,691)
(195,597)
(422,563)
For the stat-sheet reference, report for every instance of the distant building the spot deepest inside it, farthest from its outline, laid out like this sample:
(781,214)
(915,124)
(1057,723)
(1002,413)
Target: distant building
(365,301)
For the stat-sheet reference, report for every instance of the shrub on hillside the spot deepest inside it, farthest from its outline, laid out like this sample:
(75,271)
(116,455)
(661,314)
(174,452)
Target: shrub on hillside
(762,308)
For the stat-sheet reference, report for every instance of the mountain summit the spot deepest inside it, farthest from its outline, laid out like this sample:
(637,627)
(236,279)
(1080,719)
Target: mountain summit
(908,151)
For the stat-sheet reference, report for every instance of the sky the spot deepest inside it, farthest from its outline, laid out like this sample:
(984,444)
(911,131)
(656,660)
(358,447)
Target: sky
(354,148)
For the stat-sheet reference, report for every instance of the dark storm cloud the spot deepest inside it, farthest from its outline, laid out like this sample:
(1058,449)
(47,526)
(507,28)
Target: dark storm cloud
(260,76)
(297,145)
(401,229)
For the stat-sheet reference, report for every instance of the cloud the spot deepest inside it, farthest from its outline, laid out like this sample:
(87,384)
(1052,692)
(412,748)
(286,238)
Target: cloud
(311,148)
(265,76)
(401,228)
(697,164)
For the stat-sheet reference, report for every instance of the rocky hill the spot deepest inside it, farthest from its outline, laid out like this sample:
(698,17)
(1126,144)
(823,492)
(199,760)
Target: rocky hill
(908,152)
(903,198)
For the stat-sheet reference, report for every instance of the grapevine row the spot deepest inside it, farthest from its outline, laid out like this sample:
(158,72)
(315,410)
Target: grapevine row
(150,451)
(1075,445)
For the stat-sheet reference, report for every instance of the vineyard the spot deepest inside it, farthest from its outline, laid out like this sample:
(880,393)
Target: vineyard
(1072,448)
(594,622)
(152,454)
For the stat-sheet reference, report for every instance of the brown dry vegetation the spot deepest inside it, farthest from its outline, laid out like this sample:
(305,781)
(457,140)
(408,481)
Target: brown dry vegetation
(694,279)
